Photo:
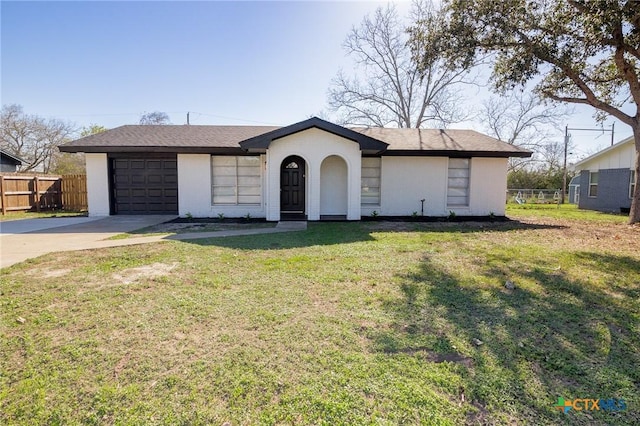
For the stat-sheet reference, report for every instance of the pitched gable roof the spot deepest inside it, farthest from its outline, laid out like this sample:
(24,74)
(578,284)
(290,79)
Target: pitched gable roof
(366,142)
(240,139)
(607,150)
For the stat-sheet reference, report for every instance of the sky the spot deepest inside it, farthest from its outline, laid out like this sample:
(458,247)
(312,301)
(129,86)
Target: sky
(248,63)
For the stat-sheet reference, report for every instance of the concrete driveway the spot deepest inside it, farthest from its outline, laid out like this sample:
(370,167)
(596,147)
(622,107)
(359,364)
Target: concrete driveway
(25,239)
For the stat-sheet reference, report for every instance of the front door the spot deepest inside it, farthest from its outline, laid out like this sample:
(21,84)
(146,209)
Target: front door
(292,185)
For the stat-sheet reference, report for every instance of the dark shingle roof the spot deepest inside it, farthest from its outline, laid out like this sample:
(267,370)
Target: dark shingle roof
(16,160)
(212,139)
(171,136)
(439,140)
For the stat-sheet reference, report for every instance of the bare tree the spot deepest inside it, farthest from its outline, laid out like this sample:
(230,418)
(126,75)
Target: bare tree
(388,89)
(65,163)
(524,120)
(156,117)
(31,137)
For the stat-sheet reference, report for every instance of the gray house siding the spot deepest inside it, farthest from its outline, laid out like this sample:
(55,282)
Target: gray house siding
(7,164)
(613,190)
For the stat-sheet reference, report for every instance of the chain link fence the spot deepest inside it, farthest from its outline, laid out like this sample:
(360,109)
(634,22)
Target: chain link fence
(534,196)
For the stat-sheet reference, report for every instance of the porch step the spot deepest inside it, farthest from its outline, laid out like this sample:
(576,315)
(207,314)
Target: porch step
(300,225)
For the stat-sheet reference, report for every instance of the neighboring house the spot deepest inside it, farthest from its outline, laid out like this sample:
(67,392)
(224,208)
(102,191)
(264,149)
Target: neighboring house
(607,179)
(313,169)
(9,162)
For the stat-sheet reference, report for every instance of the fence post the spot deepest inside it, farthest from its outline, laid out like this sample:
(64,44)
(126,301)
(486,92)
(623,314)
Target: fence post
(4,197)
(37,197)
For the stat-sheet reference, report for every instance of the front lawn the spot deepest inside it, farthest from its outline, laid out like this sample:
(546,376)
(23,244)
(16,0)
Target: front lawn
(563,211)
(345,323)
(19,215)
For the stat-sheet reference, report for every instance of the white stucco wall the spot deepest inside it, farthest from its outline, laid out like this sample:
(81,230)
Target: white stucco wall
(488,187)
(333,186)
(621,156)
(407,180)
(194,190)
(313,145)
(97,184)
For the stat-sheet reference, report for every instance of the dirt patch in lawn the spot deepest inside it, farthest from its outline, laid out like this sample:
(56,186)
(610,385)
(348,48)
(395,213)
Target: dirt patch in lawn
(48,272)
(132,275)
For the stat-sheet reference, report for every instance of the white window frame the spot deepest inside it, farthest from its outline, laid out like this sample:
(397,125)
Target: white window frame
(237,187)
(633,181)
(365,199)
(466,187)
(592,184)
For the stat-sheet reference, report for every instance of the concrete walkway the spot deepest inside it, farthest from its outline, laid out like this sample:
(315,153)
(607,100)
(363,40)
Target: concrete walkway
(22,226)
(93,234)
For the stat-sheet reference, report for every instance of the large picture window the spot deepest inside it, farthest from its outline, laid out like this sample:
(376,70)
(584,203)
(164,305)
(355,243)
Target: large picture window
(370,181)
(632,183)
(236,180)
(458,182)
(593,184)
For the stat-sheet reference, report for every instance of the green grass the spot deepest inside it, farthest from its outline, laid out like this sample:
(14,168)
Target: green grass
(345,323)
(563,211)
(39,215)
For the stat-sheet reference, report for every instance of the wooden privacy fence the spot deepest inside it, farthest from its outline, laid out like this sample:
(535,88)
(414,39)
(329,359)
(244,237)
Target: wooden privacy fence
(36,193)
(74,192)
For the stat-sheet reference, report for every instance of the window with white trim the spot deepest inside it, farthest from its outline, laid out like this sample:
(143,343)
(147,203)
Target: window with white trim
(370,181)
(632,183)
(236,179)
(458,182)
(593,183)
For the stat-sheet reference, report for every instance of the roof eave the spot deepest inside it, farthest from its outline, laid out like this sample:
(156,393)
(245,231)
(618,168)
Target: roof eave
(157,149)
(454,153)
(18,161)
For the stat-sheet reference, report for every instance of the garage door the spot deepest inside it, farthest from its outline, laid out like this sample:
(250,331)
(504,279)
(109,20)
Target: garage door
(145,185)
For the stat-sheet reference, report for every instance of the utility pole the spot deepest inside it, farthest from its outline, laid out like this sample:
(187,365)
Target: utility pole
(567,135)
(564,164)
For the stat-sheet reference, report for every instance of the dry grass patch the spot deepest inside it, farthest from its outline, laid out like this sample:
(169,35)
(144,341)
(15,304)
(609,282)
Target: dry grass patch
(132,275)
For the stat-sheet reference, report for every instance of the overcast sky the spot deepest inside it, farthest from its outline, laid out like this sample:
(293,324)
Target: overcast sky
(225,62)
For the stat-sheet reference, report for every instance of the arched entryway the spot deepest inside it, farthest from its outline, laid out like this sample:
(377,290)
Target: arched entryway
(292,186)
(334,179)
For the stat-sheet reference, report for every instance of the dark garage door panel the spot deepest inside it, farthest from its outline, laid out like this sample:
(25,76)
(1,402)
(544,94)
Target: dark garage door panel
(145,186)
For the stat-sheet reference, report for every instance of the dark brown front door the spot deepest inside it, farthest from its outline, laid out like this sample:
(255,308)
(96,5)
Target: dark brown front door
(292,185)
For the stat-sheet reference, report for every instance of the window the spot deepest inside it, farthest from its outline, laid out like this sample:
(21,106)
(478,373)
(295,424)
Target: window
(370,181)
(458,182)
(593,184)
(236,180)
(632,183)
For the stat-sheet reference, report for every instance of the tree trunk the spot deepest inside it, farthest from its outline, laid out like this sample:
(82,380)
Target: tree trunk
(634,214)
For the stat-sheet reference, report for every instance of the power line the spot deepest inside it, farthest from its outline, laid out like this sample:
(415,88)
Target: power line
(235,118)
(191,119)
